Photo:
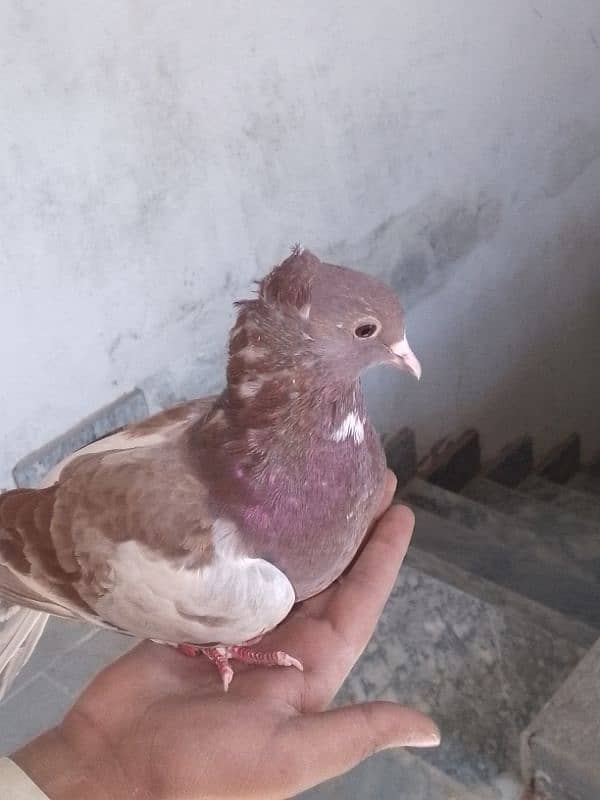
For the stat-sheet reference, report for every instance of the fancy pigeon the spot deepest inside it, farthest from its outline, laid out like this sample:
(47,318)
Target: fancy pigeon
(201,526)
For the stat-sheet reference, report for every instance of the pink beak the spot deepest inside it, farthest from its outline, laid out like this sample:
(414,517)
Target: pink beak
(405,358)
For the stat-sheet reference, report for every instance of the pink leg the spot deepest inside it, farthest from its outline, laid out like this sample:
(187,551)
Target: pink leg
(221,655)
(220,658)
(276,658)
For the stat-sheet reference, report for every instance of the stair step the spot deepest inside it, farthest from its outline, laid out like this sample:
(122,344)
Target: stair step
(495,594)
(482,671)
(484,542)
(401,454)
(593,466)
(393,775)
(563,496)
(575,539)
(513,463)
(563,461)
(560,748)
(453,462)
(585,482)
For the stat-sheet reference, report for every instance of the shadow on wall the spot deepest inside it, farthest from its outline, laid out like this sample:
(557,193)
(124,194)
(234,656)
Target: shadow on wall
(414,251)
(549,372)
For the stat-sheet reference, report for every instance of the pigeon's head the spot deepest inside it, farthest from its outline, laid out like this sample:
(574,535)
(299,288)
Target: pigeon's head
(341,318)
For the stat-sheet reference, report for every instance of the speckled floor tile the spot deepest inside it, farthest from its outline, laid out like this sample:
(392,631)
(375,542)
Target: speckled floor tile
(457,658)
(585,482)
(393,775)
(539,564)
(583,504)
(563,742)
(570,536)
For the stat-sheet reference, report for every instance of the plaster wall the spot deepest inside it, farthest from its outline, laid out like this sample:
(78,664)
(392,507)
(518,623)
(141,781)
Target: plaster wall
(156,158)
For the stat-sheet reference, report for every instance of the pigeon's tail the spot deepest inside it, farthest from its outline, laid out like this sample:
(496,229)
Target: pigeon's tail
(20,631)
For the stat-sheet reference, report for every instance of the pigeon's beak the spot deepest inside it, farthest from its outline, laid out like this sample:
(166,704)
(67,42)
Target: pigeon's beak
(405,358)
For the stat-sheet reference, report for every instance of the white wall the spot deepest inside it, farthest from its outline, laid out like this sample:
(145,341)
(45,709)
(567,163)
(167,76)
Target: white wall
(155,157)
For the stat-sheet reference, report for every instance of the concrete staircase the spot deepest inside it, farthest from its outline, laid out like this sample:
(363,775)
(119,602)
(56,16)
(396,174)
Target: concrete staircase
(491,628)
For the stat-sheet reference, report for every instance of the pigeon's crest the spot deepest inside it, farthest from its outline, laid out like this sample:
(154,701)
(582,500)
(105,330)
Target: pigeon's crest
(290,283)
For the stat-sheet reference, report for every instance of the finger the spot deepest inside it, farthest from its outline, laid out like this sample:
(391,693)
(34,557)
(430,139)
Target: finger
(356,606)
(324,745)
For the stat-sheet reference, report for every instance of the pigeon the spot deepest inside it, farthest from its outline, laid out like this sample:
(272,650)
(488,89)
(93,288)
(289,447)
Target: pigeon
(203,525)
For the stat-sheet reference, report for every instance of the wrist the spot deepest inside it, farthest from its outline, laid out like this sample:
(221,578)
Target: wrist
(67,771)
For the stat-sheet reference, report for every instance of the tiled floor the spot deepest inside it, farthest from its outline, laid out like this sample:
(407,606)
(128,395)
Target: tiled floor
(67,656)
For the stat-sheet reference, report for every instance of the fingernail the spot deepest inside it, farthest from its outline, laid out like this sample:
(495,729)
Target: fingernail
(430,739)
(420,738)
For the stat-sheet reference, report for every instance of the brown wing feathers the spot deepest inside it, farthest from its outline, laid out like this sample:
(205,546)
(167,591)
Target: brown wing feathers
(25,516)
(27,551)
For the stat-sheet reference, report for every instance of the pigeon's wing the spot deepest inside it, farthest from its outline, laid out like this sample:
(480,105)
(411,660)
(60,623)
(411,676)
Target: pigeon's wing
(160,428)
(28,562)
(125,537)
(183,413)
(30,574)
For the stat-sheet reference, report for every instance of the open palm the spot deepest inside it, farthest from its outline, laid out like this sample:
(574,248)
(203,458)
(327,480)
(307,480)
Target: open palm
(158,726)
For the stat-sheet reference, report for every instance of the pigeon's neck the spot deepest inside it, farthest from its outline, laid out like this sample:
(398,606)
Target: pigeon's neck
(298,476)
(284,405)
(292,401)
(276,415)
(278,379)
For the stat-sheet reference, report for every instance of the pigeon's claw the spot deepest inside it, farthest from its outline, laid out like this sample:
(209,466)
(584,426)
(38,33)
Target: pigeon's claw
(221,655)
(220,658)
(276,658)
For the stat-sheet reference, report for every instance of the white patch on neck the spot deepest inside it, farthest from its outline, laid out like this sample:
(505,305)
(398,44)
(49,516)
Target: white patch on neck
(251,353)
(249,388)
(352,426)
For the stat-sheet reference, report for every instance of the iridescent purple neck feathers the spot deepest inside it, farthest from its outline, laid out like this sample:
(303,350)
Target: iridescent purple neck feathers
(287,450)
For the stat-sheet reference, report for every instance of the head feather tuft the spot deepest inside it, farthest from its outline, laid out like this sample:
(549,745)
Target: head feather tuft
(290,283)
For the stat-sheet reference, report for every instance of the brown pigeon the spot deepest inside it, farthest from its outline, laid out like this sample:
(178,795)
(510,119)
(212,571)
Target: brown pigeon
(203,525)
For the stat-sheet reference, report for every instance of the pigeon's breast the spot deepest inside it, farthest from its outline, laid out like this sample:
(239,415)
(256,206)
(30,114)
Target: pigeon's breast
(314,509)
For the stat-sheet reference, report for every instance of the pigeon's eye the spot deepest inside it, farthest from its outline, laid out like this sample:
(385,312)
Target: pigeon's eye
(366,330)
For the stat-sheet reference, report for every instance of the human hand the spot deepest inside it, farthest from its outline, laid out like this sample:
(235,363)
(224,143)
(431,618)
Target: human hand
(157,726)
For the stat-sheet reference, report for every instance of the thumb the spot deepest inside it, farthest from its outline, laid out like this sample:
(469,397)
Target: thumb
(330,743)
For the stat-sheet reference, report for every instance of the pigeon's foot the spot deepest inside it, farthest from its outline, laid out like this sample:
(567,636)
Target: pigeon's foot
(222,655)
(220,658)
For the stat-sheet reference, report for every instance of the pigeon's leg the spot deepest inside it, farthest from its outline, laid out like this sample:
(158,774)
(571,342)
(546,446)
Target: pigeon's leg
(221,655)
(275,658)
(218,655)
(220,658)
